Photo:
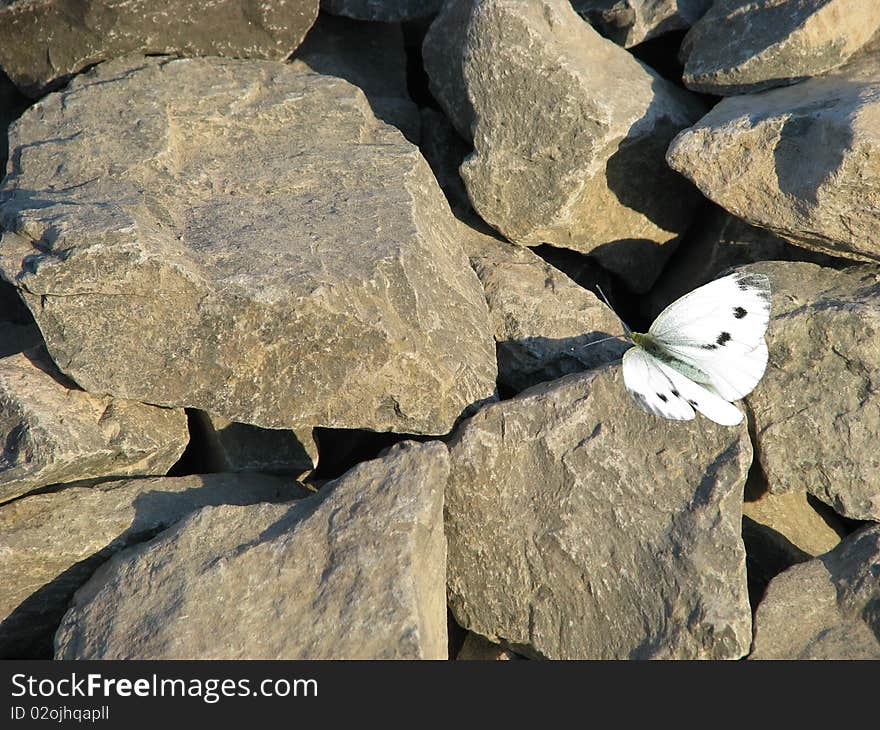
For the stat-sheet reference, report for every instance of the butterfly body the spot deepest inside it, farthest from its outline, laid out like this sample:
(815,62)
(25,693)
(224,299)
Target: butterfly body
(703,351)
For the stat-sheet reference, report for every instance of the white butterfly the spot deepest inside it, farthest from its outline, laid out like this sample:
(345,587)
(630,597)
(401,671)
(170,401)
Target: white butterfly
(702,351)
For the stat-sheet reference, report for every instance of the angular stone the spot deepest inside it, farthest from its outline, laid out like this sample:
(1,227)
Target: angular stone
(239,447)
(52,543)
(629,22)
(269,252)
(44,41)
(388,11)
(54,433)
(582,527)
(369,55)
(740,47)
(826,608)
(791,515)
(716,243)
(543,321)
(476,648)
(817,409)
(584,168)
(801,161)
(358,572)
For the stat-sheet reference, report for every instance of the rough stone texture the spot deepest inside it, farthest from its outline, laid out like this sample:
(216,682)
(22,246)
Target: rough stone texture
(581,527)
(55,433)
(246,239)
(717,242)
(369,55)
(52,543)
(382,10)
(817,409)
(742,47)
(583,169)
(542,320)
(801,161)
(240,447)
(828,608)
(44,41)
(358,572)
(628,22)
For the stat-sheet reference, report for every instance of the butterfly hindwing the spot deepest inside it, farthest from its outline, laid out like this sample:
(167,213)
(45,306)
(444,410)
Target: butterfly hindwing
(663,391)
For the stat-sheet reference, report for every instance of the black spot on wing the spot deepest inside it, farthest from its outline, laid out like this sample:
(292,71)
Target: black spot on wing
(693,403)
(739,312)
(711,346)
(723,338)
(676,393)
(662,397)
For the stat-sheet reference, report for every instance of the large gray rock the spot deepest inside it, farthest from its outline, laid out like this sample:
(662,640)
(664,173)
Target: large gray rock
(246,239)
(817,409)
(583,168)
(801,161)
(55,433)
(629,22)
(382,10)
(369,55)
(357,572)
(543,322)
(44,41)
(52,543)
(582,527)
(744,46)
(826,608)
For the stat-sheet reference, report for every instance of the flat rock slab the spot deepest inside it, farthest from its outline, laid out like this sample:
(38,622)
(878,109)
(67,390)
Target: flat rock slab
(44,41)
(817,409)
(55,433)
(825,608)
(741,47)
(629,22)
(52,543)
(387,11)
(545,325)
(802,161)
(246,239)
(356,572)
(584,168)
(580,527)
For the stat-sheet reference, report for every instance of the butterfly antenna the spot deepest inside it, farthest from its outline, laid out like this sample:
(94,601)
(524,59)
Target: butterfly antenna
(605,299)
(598,342)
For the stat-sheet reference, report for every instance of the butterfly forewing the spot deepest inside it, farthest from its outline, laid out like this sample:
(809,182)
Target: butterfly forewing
(718,330)
(728,312)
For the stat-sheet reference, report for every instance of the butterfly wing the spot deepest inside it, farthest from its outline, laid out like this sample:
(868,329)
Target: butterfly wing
(663,391)
(719,330)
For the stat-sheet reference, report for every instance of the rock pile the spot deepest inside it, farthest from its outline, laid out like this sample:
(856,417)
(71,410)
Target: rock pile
(302,350)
